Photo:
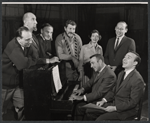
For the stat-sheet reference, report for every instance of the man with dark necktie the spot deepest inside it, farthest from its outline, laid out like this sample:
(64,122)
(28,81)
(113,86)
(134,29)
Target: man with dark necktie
(118,46)
(100,83)
(121,102)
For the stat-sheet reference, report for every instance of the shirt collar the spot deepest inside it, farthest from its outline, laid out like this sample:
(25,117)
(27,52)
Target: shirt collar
(42,37)
(120,38)
(102,69)
(22,48)
(128,71)
(90,45)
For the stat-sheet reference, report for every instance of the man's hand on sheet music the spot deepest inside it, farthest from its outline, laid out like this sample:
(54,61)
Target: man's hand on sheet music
(110,108)
(100,103)
(78,92)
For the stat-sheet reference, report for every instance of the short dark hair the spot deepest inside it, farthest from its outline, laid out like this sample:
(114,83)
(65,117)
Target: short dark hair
(98,57)
(20,30)
(71,22)
(138,58)
(46,25)
(96,31)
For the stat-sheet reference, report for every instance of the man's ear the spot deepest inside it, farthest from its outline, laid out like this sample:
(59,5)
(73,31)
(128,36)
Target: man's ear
(18,38)
(99,61)
(41,31)
(135,63)
(126,30)
(64,28)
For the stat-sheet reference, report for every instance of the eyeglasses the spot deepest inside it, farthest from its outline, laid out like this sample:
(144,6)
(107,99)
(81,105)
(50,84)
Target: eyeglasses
(121,29)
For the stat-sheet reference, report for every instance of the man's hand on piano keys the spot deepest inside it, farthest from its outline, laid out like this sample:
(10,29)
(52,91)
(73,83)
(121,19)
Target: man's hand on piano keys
(78,92)
(75,97)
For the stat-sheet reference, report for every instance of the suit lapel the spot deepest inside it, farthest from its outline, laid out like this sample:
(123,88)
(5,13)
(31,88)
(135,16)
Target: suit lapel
(119,79)
(125,81)
(122,41)
(35,43)
(100,74)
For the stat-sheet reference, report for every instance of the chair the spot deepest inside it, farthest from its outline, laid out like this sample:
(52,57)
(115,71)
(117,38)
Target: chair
(137,116)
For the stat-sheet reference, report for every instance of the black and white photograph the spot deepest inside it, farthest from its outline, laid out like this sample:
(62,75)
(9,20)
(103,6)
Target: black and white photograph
(74,61)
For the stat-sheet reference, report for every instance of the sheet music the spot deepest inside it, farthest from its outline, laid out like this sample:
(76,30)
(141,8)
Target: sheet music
(91,105)
(56,78)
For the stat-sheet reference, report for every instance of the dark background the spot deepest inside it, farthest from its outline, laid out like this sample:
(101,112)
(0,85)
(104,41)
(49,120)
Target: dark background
(102,17)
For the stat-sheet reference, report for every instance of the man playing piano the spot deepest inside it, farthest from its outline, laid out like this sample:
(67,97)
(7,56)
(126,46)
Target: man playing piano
(121,102)
(101,82)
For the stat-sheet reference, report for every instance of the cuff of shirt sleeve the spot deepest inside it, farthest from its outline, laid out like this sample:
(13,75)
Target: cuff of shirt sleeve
(84,97)
(104,99)
(47,61)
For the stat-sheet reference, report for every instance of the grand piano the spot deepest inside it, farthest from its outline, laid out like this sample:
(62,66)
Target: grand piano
(42,102)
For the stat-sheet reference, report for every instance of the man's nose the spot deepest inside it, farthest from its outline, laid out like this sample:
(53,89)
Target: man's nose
(30,41)
(124,59)
(35,21)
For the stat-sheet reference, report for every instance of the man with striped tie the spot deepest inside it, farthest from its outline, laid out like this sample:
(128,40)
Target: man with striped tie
(68,46)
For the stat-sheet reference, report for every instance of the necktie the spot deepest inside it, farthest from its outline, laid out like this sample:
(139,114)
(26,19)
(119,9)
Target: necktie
(117,43)
(25,51)
(97,76)
(122,78)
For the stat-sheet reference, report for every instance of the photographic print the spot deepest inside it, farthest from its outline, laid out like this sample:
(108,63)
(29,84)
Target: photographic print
(74,61)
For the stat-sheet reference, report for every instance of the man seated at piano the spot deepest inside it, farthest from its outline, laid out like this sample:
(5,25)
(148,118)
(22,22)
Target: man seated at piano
(122,101)
(101,82)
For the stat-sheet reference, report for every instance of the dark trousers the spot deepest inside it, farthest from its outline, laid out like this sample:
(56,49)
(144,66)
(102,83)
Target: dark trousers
(100,115)
(79,111)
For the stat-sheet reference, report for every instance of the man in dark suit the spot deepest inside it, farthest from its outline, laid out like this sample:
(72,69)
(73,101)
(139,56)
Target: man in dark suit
(18,55)
(29,20)
(46,49)
(121,102)
(117,47)
(101,82)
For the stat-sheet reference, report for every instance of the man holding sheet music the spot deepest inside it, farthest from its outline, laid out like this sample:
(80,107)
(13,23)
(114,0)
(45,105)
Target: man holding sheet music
(101,82)
(121,102)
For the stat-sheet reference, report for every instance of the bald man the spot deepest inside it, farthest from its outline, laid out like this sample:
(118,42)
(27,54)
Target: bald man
(118,46)
(29,20)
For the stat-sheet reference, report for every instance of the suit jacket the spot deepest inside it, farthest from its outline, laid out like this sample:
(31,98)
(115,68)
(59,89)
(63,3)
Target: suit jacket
(100,85)
(14,60)
(126,96)
(114,58)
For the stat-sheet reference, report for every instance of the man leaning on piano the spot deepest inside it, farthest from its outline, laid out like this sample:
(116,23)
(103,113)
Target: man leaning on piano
(101,82)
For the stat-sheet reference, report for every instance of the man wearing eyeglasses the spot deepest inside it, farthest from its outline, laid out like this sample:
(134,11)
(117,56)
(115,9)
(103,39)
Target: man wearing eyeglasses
(18,55)
(118,46)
